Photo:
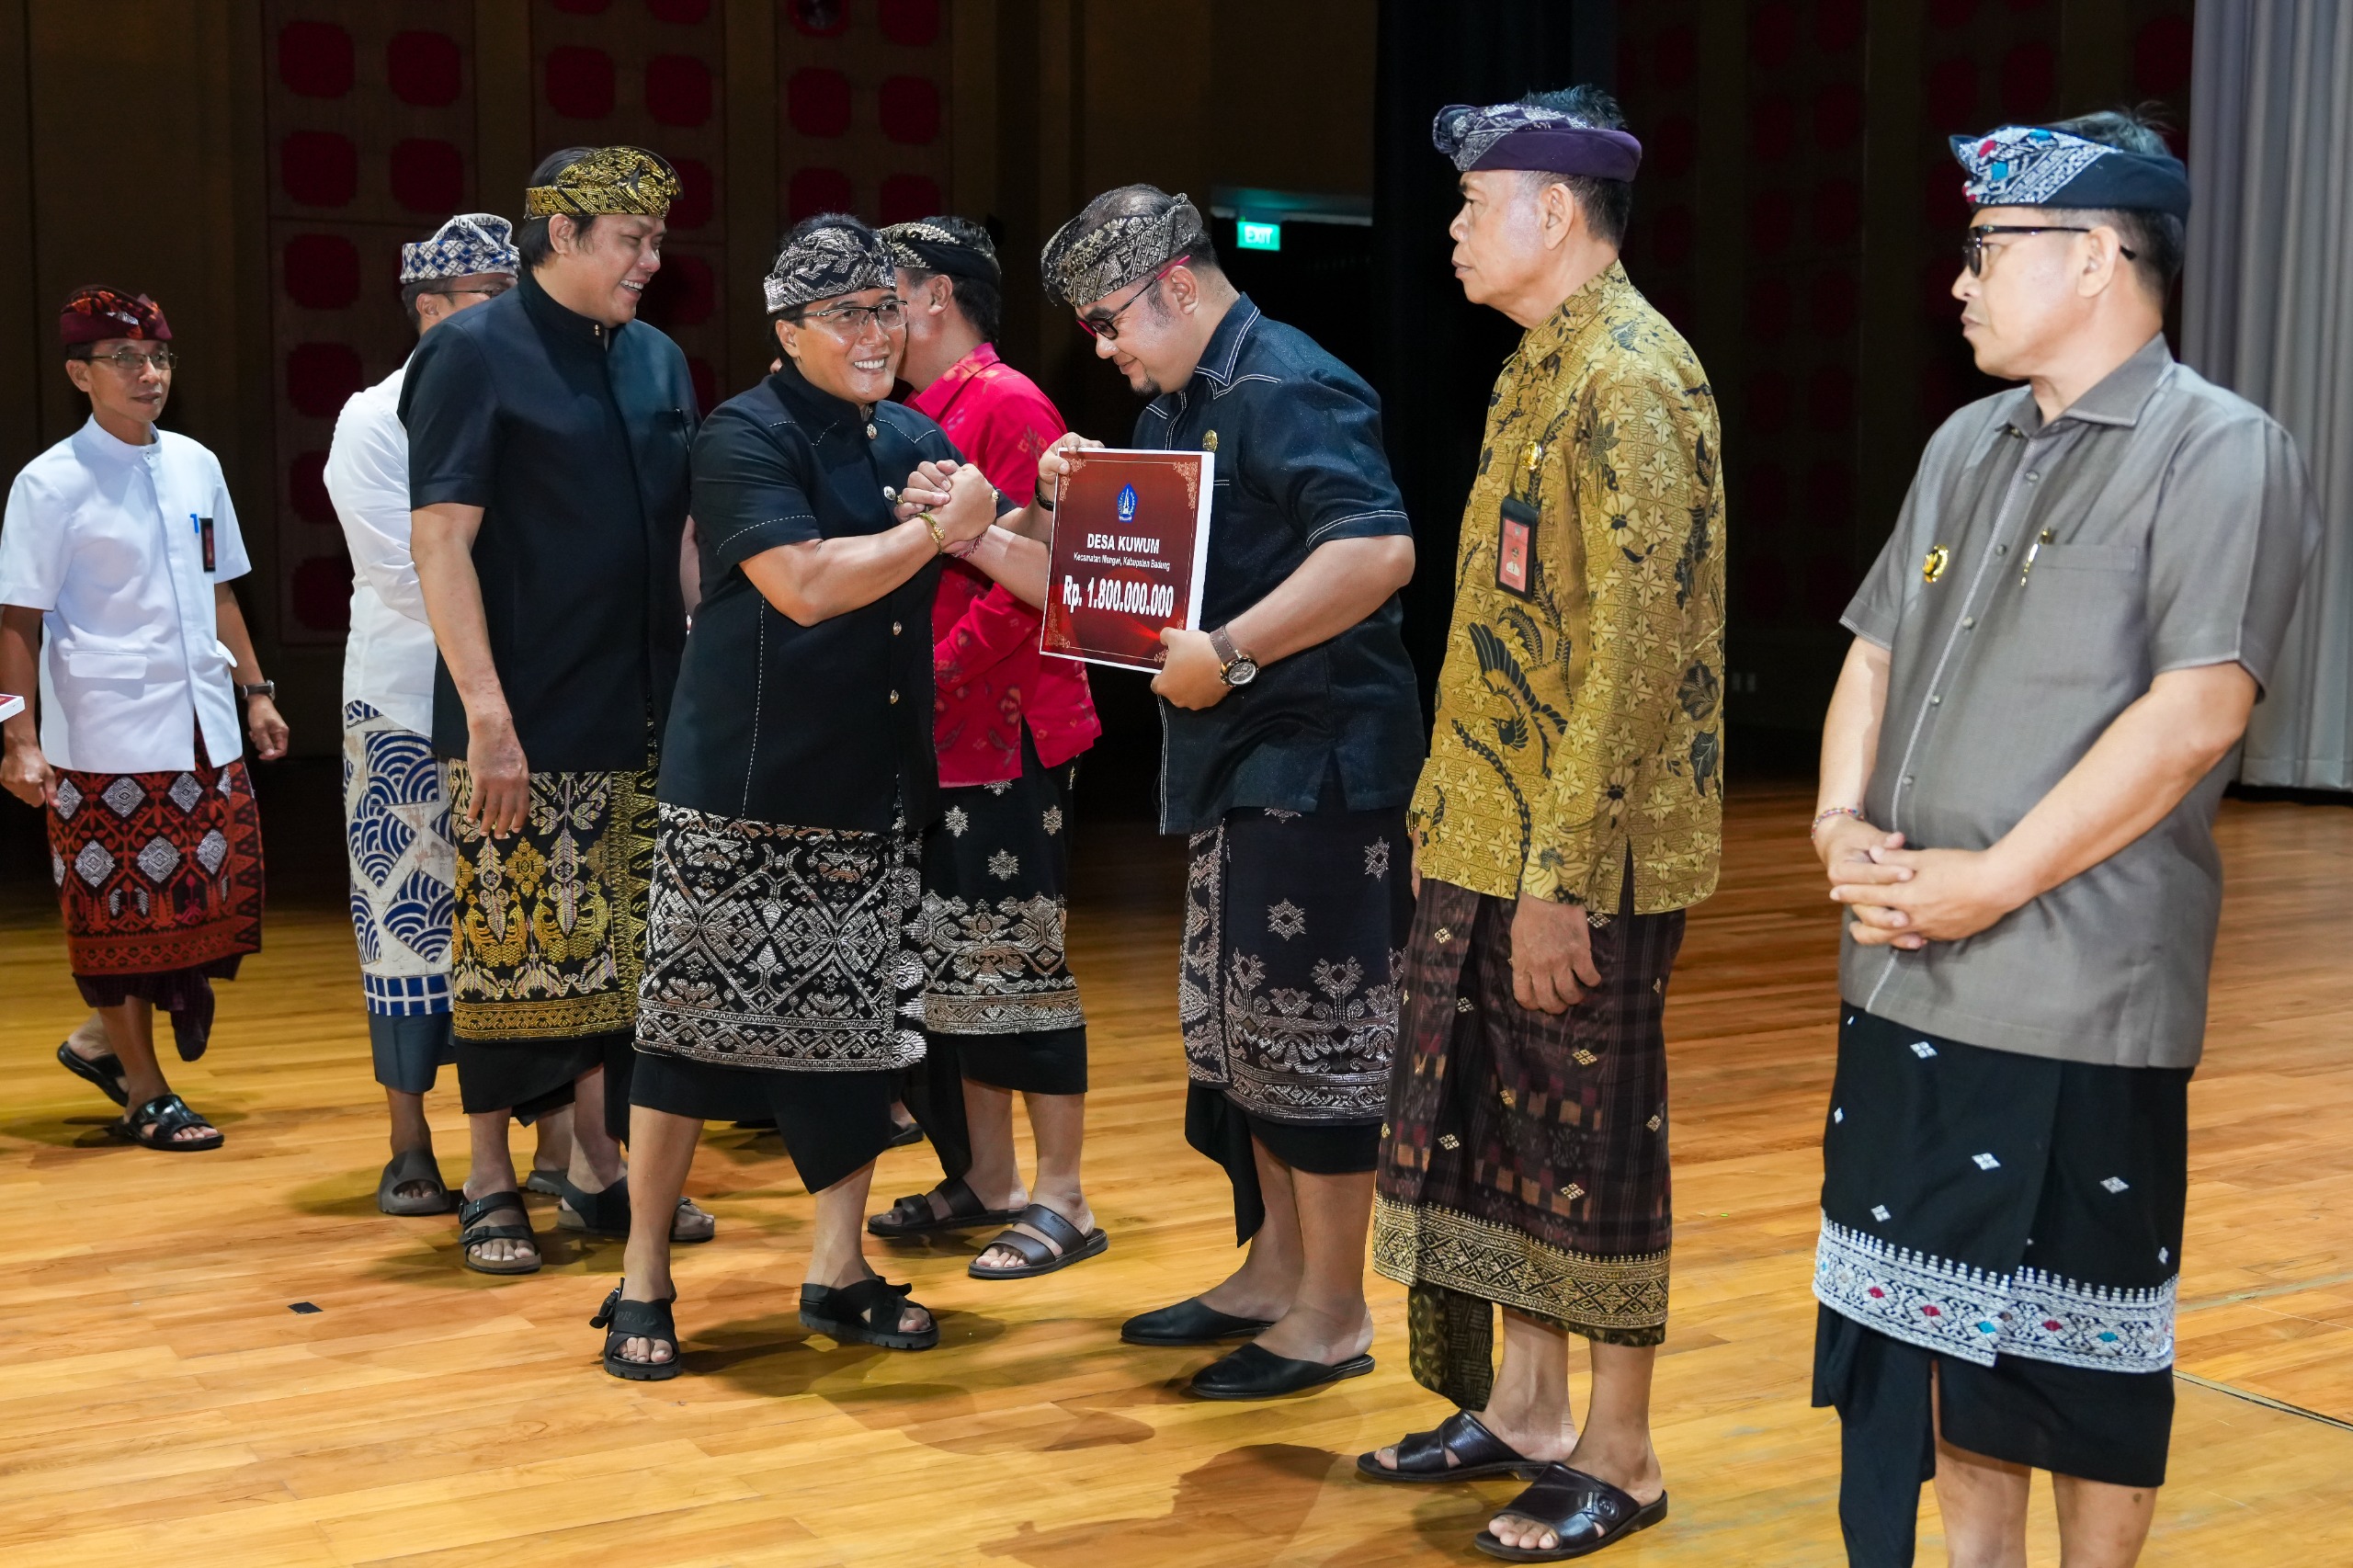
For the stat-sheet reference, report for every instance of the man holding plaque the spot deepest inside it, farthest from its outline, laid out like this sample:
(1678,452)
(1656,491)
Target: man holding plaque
(1568,816)
(1292,734)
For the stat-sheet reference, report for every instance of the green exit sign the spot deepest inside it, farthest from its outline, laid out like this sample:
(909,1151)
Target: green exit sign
(1257,236)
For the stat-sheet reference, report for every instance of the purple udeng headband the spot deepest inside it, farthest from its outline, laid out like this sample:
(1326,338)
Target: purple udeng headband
(1519,136)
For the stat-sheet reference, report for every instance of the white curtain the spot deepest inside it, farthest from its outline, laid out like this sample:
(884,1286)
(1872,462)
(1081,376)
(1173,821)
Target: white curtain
(2269,313)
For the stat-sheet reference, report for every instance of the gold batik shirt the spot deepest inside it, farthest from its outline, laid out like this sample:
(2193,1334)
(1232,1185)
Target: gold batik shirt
(1580,708)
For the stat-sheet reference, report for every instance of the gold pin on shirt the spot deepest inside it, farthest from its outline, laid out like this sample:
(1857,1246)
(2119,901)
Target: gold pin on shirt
(1932,568)
(1209,440)
(1535,454)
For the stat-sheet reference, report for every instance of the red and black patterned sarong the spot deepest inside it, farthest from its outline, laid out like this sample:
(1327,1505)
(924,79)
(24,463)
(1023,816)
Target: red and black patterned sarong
(1525,1161)
(159,876)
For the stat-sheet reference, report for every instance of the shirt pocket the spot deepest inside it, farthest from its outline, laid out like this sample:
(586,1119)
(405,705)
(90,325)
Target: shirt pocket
(2081,610)
(102,662)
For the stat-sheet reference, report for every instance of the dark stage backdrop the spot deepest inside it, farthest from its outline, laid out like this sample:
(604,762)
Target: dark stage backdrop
(1797,216)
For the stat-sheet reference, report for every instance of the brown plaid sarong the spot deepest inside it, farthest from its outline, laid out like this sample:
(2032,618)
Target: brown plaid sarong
(1525,1162)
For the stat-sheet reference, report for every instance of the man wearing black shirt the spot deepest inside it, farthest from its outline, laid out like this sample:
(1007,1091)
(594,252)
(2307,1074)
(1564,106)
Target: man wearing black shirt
(547,445)
(1292,740)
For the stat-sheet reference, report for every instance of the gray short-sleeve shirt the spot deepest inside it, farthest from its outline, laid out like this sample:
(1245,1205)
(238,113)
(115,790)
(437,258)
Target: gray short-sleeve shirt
(2039,578)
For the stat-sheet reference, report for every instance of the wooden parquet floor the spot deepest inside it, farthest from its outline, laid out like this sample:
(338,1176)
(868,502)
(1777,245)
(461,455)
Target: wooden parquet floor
(160,1401)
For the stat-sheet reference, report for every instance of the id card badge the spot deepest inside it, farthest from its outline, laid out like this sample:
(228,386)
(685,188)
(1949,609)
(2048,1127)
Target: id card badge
(1515,547)
(204,540)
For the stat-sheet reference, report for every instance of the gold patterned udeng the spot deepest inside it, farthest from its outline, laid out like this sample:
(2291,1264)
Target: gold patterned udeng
(627,180)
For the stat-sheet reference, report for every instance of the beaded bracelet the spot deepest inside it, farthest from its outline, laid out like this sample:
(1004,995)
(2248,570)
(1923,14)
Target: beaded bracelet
(1855,812)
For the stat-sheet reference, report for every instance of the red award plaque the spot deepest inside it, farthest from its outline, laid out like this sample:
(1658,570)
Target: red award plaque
(1131,538)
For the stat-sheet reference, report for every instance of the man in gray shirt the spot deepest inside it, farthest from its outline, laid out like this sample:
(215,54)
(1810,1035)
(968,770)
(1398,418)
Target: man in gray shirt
(2054,660)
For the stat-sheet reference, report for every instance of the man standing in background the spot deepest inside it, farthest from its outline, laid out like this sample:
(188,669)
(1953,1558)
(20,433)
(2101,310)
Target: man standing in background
(118,550)
(396,812)
(1002,1014)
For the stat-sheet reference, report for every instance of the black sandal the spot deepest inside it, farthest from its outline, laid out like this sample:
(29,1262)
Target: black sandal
(154,1124)
(473,1229)
(602,1213)
(411,1166)
(1478,1454)
(624,1321)
(104,1072)
(914,1216)
(1584,1512)
(1065,1244)
(865,1314)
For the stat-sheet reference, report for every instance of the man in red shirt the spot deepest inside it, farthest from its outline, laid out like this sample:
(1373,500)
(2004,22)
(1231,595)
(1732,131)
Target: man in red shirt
(1001,1008)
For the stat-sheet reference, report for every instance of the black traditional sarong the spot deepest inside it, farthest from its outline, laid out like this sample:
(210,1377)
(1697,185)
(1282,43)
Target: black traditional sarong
(782,967)
(1287,990)
(551,938)
(2014,1222)
(1001,1006)
(1525,1163)
(159,879)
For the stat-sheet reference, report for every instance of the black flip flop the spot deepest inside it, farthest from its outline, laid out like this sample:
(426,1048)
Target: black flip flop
(104,1072)
(1065,1244)
(473,1229)
(1478,1455)
(411,1166)
(865,1314)
(169,1114)
(624,1321)
(1584,1512)
(914,1216)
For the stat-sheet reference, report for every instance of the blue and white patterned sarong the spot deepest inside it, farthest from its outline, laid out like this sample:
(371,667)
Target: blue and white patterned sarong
(403,868)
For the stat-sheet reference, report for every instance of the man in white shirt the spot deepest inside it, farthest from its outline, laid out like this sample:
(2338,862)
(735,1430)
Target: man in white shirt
(116,557)
(396,811)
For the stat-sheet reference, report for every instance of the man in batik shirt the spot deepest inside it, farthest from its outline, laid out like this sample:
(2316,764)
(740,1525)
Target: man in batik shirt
(1567,817)
(547,435)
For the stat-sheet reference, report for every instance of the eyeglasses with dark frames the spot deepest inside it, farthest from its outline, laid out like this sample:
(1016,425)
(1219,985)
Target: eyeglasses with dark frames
(1106,325)
(1973,249)
(848,322)
(133,361)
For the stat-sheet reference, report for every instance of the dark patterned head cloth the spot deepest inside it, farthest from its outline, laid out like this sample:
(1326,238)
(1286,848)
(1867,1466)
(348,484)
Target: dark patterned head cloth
(825,256)
(93,315)
(623,180)
(2032,166)
(466,246)
(1122,237)
(953,245)
(1529,136)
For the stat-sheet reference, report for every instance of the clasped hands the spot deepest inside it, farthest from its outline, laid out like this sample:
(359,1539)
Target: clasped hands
(957,494)
(1908,898)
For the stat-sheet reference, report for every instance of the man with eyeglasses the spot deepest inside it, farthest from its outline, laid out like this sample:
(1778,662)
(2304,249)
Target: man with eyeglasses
(1001,1007)
(116,558)
(396,812)
(2053,662)
(547,433)
(1292,734)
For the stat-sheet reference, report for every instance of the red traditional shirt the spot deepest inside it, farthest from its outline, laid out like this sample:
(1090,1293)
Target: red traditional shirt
(989,676)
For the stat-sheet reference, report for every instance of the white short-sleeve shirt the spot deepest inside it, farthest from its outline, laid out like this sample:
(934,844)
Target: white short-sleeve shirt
(388,663)
(120,548)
